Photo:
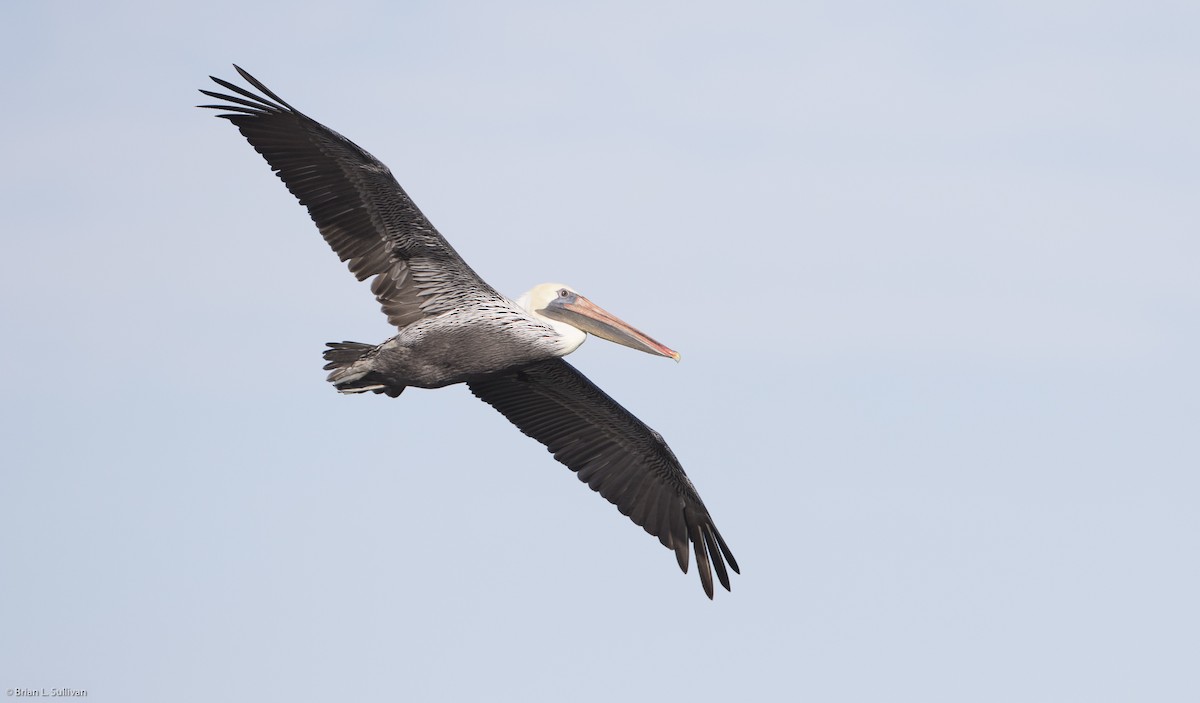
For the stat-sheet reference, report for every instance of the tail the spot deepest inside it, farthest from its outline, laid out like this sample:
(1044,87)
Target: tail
(350,363)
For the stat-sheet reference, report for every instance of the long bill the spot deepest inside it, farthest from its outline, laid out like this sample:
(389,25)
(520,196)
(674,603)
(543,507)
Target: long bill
(582,313)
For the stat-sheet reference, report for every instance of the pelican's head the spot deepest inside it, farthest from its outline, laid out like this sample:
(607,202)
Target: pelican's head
(572,315)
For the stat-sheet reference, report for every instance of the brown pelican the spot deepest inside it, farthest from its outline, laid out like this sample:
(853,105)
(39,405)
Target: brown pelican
(454,328)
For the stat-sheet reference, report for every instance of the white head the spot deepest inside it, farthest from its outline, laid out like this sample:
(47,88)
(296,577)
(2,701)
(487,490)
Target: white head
(535,301)
(572,315)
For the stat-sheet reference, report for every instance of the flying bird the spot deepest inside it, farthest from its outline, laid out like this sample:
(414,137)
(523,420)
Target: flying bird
(455,328)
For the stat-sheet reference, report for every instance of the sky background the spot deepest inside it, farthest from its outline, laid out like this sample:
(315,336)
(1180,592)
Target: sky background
(932,268)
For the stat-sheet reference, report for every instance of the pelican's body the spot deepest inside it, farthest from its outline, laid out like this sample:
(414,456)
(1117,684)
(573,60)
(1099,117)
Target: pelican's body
(454,328)
(478,339)
(454,347)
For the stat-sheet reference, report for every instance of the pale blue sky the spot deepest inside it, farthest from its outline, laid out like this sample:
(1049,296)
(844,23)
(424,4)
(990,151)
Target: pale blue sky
(932,268)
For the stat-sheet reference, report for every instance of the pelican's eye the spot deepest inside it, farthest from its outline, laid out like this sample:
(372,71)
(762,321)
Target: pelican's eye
(564,293)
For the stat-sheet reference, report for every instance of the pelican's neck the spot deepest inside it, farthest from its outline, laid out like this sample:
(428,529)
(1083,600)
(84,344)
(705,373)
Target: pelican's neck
(567,338)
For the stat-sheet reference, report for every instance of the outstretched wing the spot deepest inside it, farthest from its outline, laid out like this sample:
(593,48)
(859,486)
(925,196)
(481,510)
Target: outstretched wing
(613,452)
(358,206)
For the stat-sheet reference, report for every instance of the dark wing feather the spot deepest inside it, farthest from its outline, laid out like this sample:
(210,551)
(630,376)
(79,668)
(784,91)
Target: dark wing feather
(613,452)
(360,209)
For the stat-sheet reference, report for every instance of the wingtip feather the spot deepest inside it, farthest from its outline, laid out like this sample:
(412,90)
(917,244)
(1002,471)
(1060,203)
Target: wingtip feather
(682,552)
(714,550)
(702,565)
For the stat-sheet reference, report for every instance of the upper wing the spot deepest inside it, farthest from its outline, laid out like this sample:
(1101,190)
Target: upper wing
(359,207)
(613,452)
